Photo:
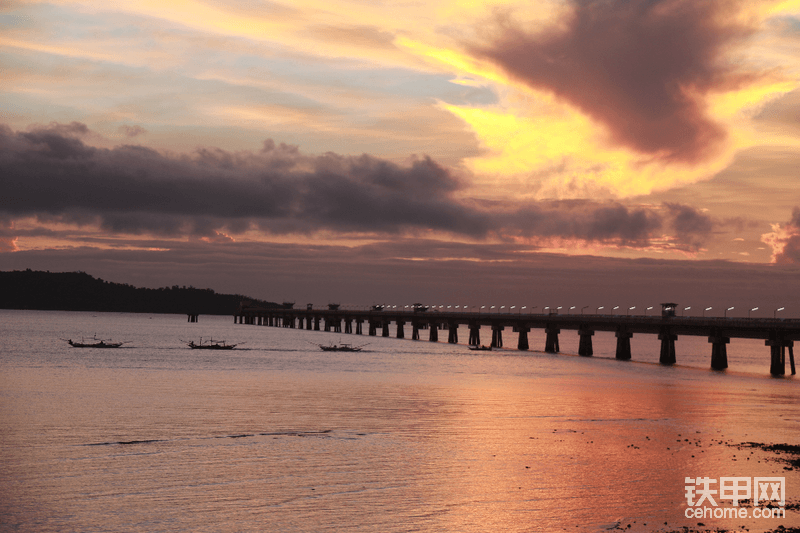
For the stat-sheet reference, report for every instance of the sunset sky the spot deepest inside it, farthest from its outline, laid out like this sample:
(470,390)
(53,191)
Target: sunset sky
(559,152)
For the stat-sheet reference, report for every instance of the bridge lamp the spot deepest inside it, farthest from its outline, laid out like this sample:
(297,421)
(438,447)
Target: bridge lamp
(449,306)
(512,307)
(726,311)
(521,308)
(546,308)
(584,307)
(601,307)
(684,310)
(631,309)
(753,309)
(646,310)
(775,314)
(706,309)
(558,309)
(570,309)
(615,308)
(458,307)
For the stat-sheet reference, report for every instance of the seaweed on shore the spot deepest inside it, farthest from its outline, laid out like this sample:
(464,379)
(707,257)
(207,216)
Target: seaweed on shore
(785,453)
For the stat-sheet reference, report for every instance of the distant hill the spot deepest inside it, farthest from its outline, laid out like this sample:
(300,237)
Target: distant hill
(78,291)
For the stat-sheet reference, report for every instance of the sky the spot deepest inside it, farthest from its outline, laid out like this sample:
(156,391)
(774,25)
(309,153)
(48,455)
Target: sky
(557,152)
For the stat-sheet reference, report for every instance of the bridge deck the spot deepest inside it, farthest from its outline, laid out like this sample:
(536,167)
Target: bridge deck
(778,334)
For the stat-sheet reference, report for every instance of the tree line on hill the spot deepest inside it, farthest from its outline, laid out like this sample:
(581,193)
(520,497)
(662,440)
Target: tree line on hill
(78,291)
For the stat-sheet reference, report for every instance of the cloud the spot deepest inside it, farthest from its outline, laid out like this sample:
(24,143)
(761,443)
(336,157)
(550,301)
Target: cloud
(8,237)
(785,240)
(642,68)
(418,270)
(132,131)
(216,194)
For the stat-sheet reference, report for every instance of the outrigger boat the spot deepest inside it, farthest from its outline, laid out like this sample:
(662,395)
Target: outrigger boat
(343,347)
(97,344)
(481,348)
(210,345)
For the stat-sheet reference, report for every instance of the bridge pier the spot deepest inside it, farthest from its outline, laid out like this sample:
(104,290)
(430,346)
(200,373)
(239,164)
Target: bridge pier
(400,330)
(358,326)
(452,337)
(497,336)
(373,328)
(348,325)
(415,330)
(522,343)
(719,351)
(585,343)
(623,345)
(385,331)
(667,339)
(551,342)
(474,335)
(433,336)
(778,347)
(309,323)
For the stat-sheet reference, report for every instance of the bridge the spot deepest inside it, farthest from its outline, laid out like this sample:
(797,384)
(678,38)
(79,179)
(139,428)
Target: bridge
(778,334)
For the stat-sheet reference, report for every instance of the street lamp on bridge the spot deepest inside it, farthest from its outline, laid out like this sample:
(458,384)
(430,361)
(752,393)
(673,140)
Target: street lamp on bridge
(706,309)
(630,309)
(599,308)
(753,309)
(775,314)
(646,310)
(685,309)
(726,311)
(584,307)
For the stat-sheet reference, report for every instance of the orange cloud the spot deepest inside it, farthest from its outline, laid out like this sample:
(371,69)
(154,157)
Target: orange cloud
(785,240)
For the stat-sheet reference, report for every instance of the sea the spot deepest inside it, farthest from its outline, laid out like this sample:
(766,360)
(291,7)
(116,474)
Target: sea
(403,436)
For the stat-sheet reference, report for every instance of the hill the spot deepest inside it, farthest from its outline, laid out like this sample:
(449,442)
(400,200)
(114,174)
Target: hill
(78,291)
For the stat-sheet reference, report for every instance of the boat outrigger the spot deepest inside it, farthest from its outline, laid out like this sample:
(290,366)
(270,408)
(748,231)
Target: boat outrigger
(342,347)
(210,345)
(98,343)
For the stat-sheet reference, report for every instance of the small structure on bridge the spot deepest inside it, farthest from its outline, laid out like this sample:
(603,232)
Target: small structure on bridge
(668,310)
(333,307)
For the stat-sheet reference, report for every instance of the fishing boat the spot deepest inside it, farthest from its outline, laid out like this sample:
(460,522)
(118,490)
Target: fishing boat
(210,345)
(97,343)
(481,348)
(342,347)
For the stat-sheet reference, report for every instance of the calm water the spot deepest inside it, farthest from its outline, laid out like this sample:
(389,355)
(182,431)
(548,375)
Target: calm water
(405,436)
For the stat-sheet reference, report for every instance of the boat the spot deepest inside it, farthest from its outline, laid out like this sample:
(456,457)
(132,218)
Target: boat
(343,347)
(210,345)
(481,348)
(96,344)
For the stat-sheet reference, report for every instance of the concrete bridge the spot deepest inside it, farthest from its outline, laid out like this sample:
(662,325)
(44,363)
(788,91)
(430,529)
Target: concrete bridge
(778,334)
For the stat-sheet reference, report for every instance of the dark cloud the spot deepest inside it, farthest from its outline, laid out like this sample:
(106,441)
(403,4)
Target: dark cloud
(135,190)
(640,67)
(406,271)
